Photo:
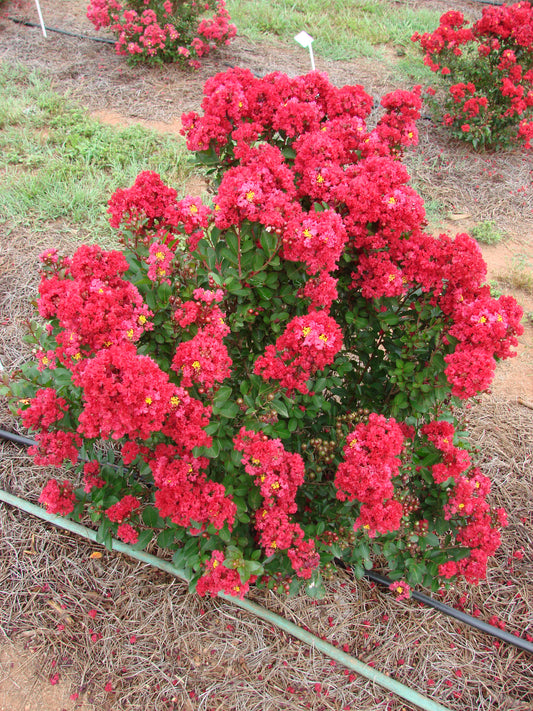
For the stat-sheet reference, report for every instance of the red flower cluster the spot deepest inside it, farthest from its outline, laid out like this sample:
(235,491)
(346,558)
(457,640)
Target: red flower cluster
(124,394)
(94,305)
(478,526)
(185,494)
(371,460)
(45,409)
(148,30)
(219,578)
(151,211)
(58,498)
(278,474)
(308,344)
(123,509)
(455,460)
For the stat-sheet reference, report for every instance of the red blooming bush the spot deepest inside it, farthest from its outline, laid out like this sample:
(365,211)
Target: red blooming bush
(158,31)
(488,69)
(277,374)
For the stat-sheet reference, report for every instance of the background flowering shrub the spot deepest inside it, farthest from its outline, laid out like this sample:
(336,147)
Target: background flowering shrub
(279,372)
(155,31)
(488,70)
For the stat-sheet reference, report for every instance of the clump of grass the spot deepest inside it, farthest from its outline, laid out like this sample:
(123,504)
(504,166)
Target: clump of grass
(519,276)
(486,233)
(58,163)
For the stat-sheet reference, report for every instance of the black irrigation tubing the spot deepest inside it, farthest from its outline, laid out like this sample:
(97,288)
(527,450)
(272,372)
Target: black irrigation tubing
(522,644)
(62,32)
(504,636)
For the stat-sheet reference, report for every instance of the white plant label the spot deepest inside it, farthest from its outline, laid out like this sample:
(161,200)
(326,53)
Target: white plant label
(305,40)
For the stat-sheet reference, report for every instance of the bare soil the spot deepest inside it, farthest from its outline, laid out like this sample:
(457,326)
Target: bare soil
(160,648)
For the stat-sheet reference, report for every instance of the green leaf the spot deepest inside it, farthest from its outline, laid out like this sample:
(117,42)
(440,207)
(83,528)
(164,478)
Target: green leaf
(166,538)
(144,539)
(280,408)
(228,409)
(269,241)
(222,395)
(250,567)
(151,517)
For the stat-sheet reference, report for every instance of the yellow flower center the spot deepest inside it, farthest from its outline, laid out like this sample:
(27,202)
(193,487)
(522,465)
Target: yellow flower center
(392,277)
(499,317)
(174,401)
(77,356)
(461,506)
(148,400)
(193,209)
(323,337)
(320,178)
(129,333)
(306,331)
(273,544)
(256,461)
(250,195)
(215,564)
(159,256)
(142,319)
(275,485)
(45,361)
(483,319)
(399,589)
(196,365)
(217,207)
(307,233)
(392,201)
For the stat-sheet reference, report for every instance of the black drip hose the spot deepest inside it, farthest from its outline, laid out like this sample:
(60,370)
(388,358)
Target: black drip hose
(522,644)
(18,439)
(461,616)
(62,32)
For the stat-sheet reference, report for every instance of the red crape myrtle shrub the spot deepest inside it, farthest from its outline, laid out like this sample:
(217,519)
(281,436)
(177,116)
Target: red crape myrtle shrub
(279,374)
(488,72)
(157,31)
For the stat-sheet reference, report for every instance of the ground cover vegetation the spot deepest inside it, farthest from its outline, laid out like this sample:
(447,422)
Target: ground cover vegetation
(60,164)
(282,364)
(347,30)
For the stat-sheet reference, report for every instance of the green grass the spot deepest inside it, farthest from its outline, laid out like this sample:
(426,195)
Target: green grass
(486,233)
(342,29)
(59,164)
